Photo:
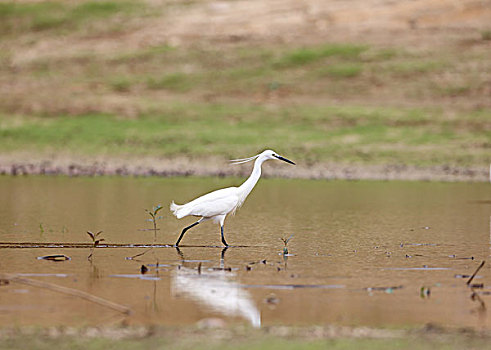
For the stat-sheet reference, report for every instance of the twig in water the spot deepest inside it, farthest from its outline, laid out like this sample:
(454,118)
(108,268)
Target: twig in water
(137,255)
(65,290)
(475,272)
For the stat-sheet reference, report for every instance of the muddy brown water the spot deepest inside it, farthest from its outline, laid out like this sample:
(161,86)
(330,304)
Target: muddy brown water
(363,253)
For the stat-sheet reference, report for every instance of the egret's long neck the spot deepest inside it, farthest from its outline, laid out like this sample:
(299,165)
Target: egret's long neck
(249,184)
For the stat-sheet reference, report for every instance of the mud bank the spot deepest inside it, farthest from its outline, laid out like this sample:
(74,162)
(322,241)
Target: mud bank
(166,167)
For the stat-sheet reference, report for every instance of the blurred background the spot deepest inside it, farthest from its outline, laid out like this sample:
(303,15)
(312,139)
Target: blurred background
(185,85)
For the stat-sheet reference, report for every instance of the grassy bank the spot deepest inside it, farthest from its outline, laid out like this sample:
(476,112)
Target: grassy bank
(369,135)
(117,79)
(233,338)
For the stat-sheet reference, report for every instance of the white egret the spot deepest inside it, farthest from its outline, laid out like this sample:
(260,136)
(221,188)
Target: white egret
(217,204)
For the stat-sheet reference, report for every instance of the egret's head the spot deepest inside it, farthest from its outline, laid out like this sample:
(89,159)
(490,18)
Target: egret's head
(269,154)
(265,155)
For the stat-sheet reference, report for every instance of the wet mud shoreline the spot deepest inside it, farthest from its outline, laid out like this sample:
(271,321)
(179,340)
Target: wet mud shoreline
(216,167)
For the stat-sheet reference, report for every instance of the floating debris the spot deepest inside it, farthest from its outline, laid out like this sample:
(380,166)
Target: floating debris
(229,269)
(42,274)
(422,244)
(293,286)
(425,292)
(388,290)
(143,269)
(159,265)
(272,299)
(16,245)
(139,276)
(424,268)
(55,257)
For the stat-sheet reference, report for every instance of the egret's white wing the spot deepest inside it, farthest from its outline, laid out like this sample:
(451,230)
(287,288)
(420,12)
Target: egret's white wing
(214,207)
(218,202)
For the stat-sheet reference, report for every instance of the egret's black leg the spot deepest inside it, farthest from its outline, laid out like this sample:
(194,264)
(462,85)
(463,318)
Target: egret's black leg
(223,237)
(181,255)
(222,255)
(184,231)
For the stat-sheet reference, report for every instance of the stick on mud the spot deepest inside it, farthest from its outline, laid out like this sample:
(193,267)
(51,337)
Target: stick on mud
(475,272)
(65,290)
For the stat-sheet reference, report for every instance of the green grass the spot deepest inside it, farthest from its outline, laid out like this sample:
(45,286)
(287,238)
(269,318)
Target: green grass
(180,82)
(408,68)
(20,17)
(342,70)
(343,134)
(253,342)
(121,84)
(304,56)
(486,35)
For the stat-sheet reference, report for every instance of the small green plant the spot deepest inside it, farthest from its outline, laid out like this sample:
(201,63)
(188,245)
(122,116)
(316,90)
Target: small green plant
(304,56)
(154,218)
(486,35)
(95,242)
(179,82)
(44,229)
(343,70)
(285,242)
(121,84)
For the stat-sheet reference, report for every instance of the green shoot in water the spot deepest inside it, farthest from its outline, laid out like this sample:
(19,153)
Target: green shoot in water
(95,242)
(285,242)
(154,218)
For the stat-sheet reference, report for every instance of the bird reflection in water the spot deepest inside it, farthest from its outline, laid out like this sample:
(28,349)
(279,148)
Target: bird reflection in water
(217,290)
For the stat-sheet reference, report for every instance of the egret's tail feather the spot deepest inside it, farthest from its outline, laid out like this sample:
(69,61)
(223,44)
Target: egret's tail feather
(175,209)
(243,160)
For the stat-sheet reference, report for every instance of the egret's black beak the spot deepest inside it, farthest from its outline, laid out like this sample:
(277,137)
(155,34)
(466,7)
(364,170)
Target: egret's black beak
(284,159)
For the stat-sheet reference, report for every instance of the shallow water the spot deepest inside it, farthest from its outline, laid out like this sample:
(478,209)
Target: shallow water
(360,254)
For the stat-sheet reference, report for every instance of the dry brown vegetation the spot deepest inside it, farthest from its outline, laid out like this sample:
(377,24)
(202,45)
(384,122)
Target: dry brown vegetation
(389,82)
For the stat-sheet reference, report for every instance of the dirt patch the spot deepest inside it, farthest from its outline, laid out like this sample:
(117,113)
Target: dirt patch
(209,330)
(417,23)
